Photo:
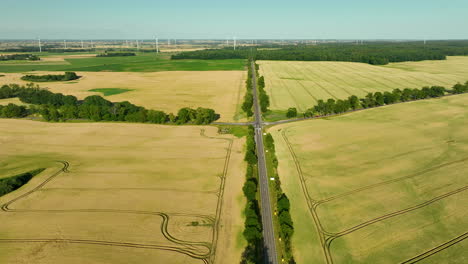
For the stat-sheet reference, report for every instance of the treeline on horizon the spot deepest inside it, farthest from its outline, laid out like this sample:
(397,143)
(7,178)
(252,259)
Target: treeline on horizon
(8,57)
(68,76)
(116,54)
(375,53)
(58,107)
(353,103)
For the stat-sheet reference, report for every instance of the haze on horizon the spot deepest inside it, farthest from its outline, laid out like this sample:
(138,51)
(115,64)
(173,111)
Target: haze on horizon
(210,19)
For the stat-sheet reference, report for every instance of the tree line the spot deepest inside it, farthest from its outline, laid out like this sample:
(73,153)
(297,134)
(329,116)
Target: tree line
(116,54)
(253,252)
(58,107)
(30,57)
(352,103)
(68,76)
(10,184)
(263,97)
(283,206)
(376,53)
(248,97)
(213,54)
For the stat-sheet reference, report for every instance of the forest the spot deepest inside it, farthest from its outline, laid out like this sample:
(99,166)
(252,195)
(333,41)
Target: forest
(58,107)
(375,53)
(68,76)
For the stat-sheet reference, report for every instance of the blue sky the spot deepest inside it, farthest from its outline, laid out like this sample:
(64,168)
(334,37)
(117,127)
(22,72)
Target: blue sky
(141,19)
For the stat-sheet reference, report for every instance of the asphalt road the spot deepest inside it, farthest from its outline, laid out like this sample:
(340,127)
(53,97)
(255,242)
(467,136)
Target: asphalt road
(267,216)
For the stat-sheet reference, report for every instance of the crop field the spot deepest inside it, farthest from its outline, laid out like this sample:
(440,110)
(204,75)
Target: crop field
(300,84)
(386,185)
(120,193)
(144,62)
(167,91)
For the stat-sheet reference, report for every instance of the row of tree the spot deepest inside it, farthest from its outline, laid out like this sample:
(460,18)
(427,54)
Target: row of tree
(253,252)
(116,54)
(263,97)
(377,53)
(213,54)
(30,57)
(58,107)
(68,76)
(283,206)
(10,184)
(332,106)
(247,105)
(14,111)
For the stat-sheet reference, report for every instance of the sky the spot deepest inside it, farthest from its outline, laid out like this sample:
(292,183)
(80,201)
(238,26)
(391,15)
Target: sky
(254,19)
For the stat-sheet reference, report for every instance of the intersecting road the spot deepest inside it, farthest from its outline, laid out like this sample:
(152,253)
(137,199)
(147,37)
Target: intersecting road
(267,216)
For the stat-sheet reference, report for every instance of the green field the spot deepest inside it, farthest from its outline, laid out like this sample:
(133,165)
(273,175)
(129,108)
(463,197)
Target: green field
(110,91)
(300,84)
(379,186)
(144,62)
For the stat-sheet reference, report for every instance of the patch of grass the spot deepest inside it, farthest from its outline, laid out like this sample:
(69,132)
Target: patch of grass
(237,131)
(110,91)
(274,115)
(2,75)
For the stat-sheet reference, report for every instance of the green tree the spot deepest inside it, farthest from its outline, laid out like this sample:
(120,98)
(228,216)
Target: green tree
(292,112)
(250,189)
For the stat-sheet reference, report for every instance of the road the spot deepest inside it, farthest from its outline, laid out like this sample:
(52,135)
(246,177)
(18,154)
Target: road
(267,216)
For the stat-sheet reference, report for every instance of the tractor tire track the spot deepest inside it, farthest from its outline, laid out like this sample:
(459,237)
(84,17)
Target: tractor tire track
(189,248)
(219,205)
(105,243)
(390,181)
(437,249)
(326,238)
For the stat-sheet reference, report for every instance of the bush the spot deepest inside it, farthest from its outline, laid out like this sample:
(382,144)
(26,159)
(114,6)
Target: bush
(292,112)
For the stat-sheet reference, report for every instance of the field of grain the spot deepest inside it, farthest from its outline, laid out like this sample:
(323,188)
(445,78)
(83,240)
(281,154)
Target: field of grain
(143,62)
(120,193)
(167,91)
(300,84)
(379,186)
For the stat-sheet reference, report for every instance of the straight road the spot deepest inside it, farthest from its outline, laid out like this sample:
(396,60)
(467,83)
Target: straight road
(271,256)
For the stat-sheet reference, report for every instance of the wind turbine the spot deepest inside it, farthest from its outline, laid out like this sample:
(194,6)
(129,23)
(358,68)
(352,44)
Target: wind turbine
(82,45)
(39,42)
(65,43)
(156,40)
(234,43)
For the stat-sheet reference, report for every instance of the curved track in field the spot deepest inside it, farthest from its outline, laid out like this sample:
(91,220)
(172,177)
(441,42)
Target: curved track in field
(203,251)
(326,238)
